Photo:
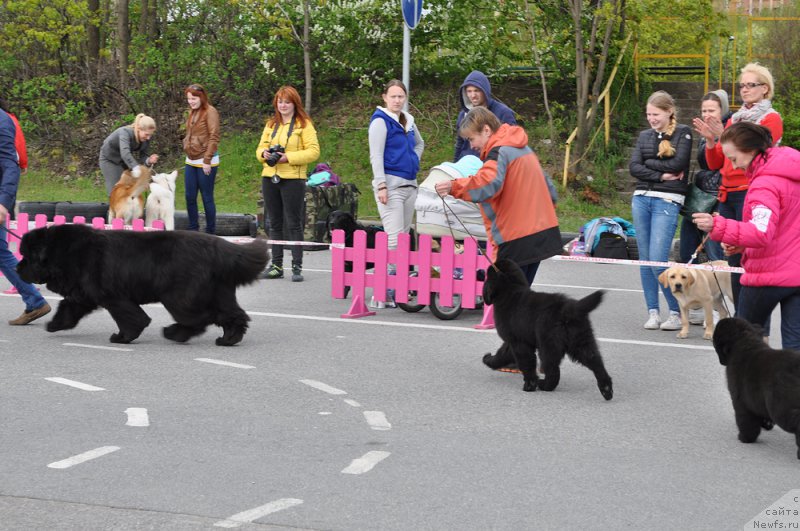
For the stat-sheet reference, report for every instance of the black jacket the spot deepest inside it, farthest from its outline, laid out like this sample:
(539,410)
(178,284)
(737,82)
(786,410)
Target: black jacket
(647,168)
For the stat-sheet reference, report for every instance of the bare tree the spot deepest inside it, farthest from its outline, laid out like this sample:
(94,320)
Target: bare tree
(590,65)
(538,60)
(305,44)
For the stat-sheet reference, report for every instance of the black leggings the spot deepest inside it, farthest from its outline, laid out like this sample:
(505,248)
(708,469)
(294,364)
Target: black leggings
(283,206)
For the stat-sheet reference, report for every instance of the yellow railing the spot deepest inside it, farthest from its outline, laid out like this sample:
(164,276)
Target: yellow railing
(603,97)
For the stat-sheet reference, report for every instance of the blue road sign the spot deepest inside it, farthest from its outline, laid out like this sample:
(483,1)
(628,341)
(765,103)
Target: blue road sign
(412,10)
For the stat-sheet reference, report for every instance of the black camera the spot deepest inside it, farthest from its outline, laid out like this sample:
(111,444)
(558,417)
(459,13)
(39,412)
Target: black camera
(274,156)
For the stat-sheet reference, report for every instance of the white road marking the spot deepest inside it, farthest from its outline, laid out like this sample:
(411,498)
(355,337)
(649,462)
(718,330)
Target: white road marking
(325,413)
(247,517)
(351,402)
(73,383)
(366,462)
(654,344)
(98,347)
(458,329)
(225,363)
(377,420)
(137,416)
(323,387)
(82,458)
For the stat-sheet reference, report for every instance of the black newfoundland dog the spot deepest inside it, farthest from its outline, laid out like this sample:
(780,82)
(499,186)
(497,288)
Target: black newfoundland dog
(194,275)
(764,382)
(551,323)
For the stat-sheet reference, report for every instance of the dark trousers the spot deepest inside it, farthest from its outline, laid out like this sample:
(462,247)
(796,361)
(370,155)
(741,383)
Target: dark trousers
(197,180)
(283,206)
(732,209)
(757,303)
(691,237)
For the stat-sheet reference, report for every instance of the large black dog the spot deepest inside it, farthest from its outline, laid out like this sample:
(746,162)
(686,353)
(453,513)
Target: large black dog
(764,382)
(194,275)
(551,323)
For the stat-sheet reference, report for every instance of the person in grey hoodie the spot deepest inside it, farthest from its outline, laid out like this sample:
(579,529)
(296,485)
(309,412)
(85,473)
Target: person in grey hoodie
(476,91)
(117,152)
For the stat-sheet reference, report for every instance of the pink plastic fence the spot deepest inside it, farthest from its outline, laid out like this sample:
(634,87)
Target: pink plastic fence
(424,283)
(22,225)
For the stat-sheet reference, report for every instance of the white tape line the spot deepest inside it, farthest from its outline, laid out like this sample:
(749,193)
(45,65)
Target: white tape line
(596,260)
(224,363)
(73,383)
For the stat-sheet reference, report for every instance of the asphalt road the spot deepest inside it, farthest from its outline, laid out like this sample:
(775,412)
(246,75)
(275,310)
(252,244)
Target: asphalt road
(385,422)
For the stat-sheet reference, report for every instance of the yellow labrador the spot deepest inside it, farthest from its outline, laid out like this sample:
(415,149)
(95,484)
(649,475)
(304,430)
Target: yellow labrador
(699,288)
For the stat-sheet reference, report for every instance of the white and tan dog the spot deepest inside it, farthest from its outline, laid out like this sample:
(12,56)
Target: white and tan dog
(161,201)
(694,288)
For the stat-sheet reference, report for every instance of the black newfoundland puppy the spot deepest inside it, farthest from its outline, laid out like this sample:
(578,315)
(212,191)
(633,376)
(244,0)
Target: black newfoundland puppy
(339,220)
(764,382)
(194,275)
(551,323)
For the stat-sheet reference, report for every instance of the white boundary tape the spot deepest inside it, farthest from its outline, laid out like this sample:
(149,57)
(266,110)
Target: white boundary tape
(592,259)
(563,258)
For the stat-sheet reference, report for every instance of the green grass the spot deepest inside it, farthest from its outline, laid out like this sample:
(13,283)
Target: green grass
(342,128)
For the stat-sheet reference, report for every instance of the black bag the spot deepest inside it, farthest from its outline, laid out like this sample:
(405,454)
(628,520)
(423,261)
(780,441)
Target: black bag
(611,245)
(698,201)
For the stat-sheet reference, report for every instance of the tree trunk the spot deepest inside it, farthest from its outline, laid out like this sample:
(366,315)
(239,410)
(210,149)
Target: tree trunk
(152,21)
(123,38)
(144,18)
(93,38)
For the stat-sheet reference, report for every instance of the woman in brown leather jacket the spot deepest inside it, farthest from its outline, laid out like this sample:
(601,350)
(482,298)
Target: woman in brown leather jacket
(202,159)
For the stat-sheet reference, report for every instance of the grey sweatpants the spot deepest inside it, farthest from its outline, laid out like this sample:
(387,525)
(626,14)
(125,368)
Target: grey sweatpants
(398,212)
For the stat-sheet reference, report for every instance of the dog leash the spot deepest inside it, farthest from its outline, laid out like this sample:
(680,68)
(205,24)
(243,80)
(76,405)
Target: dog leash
(713,271)
(450,227)
(699,248)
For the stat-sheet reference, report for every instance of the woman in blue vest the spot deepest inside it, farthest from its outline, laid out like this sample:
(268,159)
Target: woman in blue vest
(395,149)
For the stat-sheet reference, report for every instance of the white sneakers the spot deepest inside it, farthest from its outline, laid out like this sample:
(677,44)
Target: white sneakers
(653,323)
(673,322)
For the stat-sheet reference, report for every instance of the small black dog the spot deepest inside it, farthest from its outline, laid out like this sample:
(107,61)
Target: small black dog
(551,323)
(346,222)
(764,382)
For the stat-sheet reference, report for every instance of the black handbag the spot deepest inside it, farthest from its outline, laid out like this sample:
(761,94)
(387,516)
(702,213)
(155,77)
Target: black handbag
(611,246)
(698,201)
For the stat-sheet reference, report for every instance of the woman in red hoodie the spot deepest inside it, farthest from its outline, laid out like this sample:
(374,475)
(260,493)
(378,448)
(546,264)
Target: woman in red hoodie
(756,88)
(767,234)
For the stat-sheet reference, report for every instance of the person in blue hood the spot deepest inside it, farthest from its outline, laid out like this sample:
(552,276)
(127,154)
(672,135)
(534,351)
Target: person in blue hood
(476,91)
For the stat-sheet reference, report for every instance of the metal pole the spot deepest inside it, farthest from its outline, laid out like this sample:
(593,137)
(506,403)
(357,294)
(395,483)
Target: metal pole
(406,62)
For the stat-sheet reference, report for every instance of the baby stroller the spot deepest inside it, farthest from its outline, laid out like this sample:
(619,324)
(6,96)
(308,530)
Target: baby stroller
(432,220)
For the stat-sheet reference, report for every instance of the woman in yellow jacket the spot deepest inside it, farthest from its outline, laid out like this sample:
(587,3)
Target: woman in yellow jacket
(288,144)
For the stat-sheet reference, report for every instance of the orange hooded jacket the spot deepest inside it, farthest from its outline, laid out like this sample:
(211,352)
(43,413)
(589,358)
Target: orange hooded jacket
(515,203)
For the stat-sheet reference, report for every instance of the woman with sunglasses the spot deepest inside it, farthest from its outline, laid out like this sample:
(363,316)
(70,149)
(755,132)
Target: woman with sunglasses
(756,88)
(202,159)
(767,234)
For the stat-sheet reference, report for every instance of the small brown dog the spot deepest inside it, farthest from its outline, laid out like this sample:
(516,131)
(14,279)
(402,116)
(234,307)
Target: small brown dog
(699,288)
(127,197)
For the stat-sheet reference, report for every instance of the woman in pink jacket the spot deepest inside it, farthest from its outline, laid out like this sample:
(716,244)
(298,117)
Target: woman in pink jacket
(768,233)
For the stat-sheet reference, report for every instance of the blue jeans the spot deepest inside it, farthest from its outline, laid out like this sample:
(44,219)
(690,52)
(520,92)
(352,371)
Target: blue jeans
(8,265)
(757,302)
(655,221)
(195,179)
